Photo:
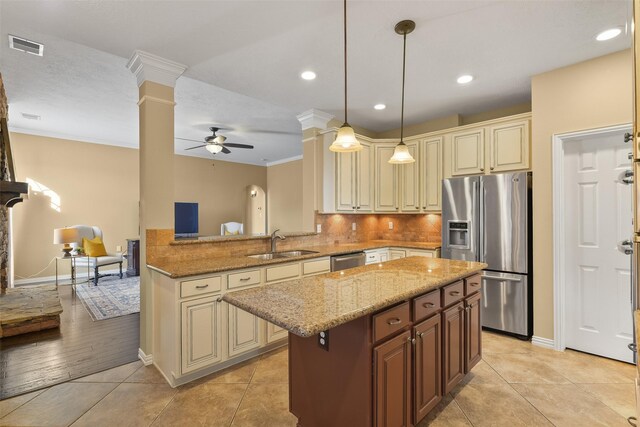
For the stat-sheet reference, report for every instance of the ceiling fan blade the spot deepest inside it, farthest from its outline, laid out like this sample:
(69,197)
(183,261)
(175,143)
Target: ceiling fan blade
(192,140)
(193,148)
(233,145)
(225,150)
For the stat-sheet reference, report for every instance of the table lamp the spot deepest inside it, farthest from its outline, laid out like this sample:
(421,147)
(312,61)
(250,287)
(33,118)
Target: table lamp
(66,236)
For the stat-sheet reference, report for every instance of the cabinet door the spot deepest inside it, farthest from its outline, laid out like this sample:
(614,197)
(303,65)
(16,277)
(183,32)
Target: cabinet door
(384,256)
(345,181)
(410,180)
(467,152)
(431,192)
(424,253)
(244,331)
(275,333)
(397,254)
(453,343)
(473,333)
(385,179)
(364,178)
(201,333)
(428,367)
(510,146)
(392,382)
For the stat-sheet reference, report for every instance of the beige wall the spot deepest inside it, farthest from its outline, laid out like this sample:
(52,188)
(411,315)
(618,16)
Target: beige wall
(284,196)
(218,187)
(96,184)
(591,94)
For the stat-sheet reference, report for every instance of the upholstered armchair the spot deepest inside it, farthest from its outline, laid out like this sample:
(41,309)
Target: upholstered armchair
(91,232)
(231,228)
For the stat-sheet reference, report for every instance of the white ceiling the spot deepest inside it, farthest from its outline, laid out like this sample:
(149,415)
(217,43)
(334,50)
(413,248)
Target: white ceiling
(82,89)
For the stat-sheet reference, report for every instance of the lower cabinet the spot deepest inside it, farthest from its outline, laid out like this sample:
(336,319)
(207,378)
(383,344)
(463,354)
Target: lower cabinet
(244,330)
(275,333)
(473,336)
(397,253)
(201,333)
(392,371)
(428,367)
(453,354)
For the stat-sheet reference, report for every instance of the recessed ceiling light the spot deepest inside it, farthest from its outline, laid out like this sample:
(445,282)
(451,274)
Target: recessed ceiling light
(379,106)
(467,78)
(308,75)
(609,34)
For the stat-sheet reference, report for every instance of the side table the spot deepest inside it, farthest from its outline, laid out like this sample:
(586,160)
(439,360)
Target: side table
(73,259)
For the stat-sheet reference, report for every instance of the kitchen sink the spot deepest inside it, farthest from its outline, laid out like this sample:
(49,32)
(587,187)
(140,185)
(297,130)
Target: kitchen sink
(285,254)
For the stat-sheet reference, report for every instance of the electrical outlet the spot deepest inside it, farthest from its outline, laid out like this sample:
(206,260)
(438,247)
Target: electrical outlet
(353,226)
(118,248)
(323,339)
(318,228)
(390,225)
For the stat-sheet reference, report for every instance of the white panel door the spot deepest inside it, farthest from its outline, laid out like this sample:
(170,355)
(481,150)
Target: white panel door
(598,215)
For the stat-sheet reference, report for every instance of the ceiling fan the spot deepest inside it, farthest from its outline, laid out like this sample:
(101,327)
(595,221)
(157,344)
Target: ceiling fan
(216,143)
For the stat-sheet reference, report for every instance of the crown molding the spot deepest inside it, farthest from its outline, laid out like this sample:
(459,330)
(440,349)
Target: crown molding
(281,161)
(314,119)
(149,67)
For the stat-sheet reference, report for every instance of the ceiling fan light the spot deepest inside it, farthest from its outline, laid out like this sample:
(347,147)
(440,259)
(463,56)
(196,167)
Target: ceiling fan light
(346,141)
(220,139)
(401,155)
(213,148)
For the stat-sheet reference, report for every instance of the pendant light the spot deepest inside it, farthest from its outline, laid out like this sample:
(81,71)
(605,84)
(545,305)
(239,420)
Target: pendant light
(401,153)
(345,141)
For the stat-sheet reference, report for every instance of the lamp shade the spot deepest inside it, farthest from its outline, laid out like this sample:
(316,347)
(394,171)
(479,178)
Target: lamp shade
(346,141)
(213,148)
(65,236)
(401,155)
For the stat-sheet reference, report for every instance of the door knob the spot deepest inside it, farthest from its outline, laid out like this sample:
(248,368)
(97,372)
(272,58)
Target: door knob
(627,177)
(628,137)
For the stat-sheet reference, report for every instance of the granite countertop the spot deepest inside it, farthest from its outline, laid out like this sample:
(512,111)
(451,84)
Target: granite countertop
(178,269)
(309,305)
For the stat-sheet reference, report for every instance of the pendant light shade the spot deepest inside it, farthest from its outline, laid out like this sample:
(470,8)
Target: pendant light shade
(346,141)
(213,148)
(401,154)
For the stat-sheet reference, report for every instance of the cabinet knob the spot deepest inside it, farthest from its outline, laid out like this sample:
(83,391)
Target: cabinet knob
(492,168)
(219,299)
(420,335)
(628,137)
(428,304)
(481,169)
(394,321)
(411,340)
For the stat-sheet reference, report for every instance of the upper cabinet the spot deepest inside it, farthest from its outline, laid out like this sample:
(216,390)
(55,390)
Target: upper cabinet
(385,178)
(410,184)
(431,174)
(509,146)
(504,146)
(354,180)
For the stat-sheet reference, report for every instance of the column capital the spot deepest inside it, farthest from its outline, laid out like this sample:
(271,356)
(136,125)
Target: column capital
(314,119)
(147,66)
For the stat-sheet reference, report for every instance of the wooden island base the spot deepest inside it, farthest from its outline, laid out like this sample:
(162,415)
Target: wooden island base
(389,368)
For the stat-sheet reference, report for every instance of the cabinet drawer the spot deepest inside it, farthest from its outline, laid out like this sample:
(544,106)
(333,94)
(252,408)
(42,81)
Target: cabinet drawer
(283,272)
(426,305)
(452,293)
(316,266)
(390,321)
(246,278)
(472,284)
(200,286)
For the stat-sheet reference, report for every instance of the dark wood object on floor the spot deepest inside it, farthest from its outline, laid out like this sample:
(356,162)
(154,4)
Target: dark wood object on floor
(133,257)
(79,347)
(391,367)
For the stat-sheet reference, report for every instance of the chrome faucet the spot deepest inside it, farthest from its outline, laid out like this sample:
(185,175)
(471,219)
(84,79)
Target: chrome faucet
(275,236)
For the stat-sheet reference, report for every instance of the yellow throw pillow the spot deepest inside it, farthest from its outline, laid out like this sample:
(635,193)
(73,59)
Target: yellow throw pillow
(94,247)
(231,233)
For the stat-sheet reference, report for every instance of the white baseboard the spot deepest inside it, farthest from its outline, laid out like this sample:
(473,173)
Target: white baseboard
(543,342)
(61,278)
(147,359)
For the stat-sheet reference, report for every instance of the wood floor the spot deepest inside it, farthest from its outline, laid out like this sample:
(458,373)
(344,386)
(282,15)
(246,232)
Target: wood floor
(80,347)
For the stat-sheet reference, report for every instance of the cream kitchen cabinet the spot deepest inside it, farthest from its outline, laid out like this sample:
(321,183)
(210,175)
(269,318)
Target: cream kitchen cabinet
(201,333)
(245,331)
(431,174)
(410,183)
(428,253)
(397,253)
(493,148)
(354,180)
(385,178)
(467,152)
(509,147)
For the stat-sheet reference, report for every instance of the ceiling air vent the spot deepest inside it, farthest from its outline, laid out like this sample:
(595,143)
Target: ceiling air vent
(29,116)
(25,45)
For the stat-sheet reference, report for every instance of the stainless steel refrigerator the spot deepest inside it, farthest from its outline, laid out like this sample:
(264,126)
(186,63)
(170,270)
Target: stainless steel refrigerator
(488,219)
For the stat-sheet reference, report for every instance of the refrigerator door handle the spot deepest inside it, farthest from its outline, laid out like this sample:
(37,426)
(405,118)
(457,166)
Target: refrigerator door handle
(481,213)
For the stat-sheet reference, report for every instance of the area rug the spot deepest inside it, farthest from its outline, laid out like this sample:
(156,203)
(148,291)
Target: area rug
(113,297)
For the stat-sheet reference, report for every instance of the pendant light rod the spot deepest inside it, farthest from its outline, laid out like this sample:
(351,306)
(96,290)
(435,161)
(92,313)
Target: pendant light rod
(345,60)
(403,28)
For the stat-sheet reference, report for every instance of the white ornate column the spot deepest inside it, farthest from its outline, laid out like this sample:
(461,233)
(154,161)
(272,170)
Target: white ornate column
(156,78)
(312,122)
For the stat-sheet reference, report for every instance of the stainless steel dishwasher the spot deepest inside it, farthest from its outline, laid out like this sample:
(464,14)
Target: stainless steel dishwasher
(343,262)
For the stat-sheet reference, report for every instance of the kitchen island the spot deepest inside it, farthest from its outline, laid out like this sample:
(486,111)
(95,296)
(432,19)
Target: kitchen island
(374,345)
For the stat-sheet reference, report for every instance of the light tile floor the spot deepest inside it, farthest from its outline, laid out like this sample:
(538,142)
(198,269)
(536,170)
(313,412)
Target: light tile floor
(516,384)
